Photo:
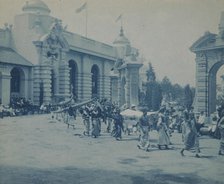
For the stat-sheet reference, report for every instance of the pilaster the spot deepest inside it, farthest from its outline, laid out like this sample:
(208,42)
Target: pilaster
(201,96)
(119,90)
(5,83)
(64,75)
(45,77)
(87,86)
(5,93)
(127,88)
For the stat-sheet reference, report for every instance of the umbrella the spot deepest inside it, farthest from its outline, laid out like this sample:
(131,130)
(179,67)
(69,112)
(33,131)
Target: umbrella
(131,113)
(152,113)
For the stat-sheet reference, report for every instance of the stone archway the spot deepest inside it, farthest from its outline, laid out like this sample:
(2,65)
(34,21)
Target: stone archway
(212,85)
(209,50)
(17,83)
(95,81)
(73,78)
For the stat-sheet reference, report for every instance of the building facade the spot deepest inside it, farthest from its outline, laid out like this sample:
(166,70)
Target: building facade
(209,50)
(40,60)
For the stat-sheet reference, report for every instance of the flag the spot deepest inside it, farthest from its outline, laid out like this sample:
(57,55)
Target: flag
(118,18)
(81,8)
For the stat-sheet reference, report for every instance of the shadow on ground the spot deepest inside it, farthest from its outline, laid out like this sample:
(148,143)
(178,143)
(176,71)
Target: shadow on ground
(72,175)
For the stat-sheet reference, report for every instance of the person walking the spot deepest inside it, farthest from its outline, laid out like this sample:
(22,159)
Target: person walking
(191,139)
(96,114)
(144,127)
(1,110)
(118,125)
(221,130)
(85,111)
(71,117)
(164,139)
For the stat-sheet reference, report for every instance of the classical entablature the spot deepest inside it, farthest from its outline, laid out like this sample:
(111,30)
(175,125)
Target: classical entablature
(206,42)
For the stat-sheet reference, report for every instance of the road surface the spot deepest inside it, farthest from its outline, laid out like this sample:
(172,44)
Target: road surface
(36,150)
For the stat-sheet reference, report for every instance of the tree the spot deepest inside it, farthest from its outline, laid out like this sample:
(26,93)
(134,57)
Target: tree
(153,95)
(156,96)
(178,93)
(166,86)
(151,76)
(188,97)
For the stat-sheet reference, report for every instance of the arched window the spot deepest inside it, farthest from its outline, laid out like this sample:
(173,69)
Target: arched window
(95,81)
(15,80)
(52,82)
(73,78)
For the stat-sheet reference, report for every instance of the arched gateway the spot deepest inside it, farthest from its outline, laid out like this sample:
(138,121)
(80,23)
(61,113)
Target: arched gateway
(209,50)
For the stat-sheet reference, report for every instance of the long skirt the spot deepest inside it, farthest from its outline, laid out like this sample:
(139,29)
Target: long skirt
(164,139)
(144,138)
(109,124)
(191,141)
(87,126)
(95,127)
(117,131)
(221,149)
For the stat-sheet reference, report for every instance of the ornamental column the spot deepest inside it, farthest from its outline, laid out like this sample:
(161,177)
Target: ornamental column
(119,90)
(86,79)
(201,93)
(5,84)
(134,84)
(64,74)
(127,88)
(45,82)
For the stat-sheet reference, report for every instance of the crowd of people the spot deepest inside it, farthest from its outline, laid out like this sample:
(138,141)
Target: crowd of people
(185,121)
(18,106)
(95,112)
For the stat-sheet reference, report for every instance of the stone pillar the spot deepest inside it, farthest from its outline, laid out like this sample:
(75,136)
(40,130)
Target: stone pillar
(119,90)
(101,81)
(127,88)
(107,87)
(36,84)
(134,86)
(45,77)
(87,86)
(212,93)
(79,86)
(114,89)
(201,95)
(80,81)
(101,87)
(64,74)
(5,94)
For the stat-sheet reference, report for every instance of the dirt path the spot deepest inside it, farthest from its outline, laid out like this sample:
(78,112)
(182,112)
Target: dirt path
(35,150)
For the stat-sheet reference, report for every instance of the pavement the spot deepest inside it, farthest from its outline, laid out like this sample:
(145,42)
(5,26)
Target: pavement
(36,150)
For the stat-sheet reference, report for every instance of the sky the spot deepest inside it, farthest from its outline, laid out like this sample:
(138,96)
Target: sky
(162,30)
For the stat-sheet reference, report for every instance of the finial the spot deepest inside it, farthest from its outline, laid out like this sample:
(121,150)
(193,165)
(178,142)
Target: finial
(121,31)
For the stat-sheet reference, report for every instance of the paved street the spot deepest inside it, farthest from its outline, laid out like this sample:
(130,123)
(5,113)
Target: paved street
(36,150)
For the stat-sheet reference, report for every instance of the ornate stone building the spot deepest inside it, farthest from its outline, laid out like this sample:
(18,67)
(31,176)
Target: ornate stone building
(209,50)
(42,61)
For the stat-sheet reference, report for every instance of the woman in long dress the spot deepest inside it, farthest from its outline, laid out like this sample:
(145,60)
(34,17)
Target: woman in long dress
(96,122)
(191,135)
(221,129)
(118,125)
(164,139)
(144,132)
